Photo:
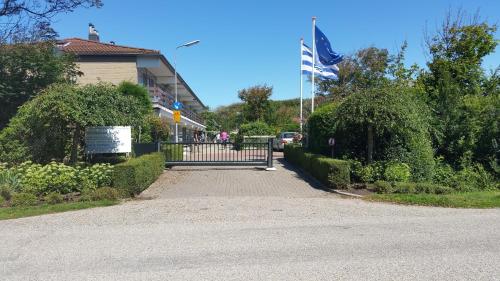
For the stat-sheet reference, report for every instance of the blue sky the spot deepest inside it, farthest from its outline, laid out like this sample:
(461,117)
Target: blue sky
(244,43)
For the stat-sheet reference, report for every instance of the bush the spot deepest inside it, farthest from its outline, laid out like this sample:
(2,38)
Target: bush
(105,193)
(405,187)
(54,198)
(137,174)
(399,122)
(173,152)
(5,192)
(333,173)
(383,187)
(397,172)
(371,173)
(431,188)
(23,199)
(57,177)
(10,179)
(2,201)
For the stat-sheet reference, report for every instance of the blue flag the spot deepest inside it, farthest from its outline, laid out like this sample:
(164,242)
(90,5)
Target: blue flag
(324,50)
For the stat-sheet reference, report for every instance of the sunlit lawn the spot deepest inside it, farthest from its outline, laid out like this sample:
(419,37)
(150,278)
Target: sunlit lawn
(482,199)
(19,212)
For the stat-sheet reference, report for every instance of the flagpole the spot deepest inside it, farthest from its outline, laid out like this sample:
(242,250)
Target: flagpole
(301,95)
(314,60)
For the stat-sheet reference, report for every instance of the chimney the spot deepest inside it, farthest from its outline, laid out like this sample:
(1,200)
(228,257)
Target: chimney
(93,34)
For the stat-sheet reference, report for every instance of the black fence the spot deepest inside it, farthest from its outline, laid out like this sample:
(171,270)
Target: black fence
(218,154)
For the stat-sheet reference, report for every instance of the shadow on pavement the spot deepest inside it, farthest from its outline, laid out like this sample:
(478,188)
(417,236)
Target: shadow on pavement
(298,173)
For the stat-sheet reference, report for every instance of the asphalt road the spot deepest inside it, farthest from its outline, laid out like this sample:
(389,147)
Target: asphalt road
(320,237)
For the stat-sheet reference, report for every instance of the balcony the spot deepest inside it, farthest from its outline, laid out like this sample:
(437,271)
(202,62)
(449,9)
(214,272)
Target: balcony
(160,97)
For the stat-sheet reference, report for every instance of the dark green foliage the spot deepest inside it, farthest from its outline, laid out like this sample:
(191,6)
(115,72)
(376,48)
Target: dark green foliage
(137,174)
(333,173)
(256,102)
(51,126)
(399,125)
(25,70)
(321,127)
(139,93)
(256,129)
(23,199)
(173,152)
(54,198)
(464,100)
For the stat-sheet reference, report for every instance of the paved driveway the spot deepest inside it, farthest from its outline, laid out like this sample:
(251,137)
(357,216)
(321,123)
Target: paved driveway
(225,225)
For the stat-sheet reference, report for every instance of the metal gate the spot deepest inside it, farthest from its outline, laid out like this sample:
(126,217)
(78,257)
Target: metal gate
(218,154)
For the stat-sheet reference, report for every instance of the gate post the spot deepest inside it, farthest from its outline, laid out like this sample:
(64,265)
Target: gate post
(270,155)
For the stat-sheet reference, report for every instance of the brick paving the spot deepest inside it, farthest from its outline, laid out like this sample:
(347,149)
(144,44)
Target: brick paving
(222,181)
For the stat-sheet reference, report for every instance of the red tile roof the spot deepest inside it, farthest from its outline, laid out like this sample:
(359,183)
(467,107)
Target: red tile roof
(86,47)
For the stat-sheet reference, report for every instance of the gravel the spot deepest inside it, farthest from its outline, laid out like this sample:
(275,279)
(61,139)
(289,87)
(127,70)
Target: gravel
(253,238)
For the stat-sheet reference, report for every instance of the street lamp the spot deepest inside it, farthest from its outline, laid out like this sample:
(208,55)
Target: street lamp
(188,44)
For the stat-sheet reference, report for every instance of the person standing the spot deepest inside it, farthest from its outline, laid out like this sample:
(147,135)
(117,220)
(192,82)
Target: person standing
(224,136)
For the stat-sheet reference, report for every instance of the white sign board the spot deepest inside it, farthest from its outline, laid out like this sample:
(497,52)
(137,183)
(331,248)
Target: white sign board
(108,139)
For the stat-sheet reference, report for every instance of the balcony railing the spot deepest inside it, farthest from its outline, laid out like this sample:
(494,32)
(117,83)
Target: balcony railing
(165,99)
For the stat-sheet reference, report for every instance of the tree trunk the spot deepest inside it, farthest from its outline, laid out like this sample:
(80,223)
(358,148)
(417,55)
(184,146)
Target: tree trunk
(369,155)
(74,146)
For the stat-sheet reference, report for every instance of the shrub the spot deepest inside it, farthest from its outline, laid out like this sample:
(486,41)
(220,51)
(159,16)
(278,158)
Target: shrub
(333,173)
(404,187)
(173,152)
(2,201)
(431,188)
(472,178)
(105,193)
(383,187)
(10,178)
(321,126)
(137,174)
(371,173)
(23,199)
(54,198)
(5,192)
(399,122)
(57,177)
(397,172)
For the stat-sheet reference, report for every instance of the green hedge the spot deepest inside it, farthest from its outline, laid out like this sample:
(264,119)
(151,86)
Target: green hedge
(173,152)
(333,173)
(411,188)
(137,174)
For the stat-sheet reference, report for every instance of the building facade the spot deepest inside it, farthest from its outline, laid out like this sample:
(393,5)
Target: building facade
(109,62)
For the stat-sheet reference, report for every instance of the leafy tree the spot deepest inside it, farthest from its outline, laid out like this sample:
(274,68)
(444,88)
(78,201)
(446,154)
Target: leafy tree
(26,69)
(51,126)
(365,69)
(138,92)
(384,123)
(155,129)
(256,101)
(23,21)
(456,87)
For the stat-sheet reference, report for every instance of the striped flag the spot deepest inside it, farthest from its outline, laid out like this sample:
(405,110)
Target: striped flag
(320,70)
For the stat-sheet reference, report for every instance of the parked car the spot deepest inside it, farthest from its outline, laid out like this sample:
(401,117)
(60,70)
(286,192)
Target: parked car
(282,139)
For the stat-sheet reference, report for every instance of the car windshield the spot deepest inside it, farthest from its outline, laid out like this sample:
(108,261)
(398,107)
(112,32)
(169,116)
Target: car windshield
(288,135)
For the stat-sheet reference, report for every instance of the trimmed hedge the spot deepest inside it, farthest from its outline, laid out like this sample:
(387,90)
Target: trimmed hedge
(173,152)
(137,174)
(333,173)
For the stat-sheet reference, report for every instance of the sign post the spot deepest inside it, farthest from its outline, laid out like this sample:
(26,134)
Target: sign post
(331,143)
(177,116)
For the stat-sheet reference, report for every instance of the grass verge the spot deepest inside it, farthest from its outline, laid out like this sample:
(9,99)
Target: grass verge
(480,199)
(20,212)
